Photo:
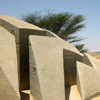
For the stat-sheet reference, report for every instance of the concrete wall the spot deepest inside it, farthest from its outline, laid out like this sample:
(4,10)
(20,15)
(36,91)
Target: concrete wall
(53,72)
(20,30)
(9,87)
(48,81)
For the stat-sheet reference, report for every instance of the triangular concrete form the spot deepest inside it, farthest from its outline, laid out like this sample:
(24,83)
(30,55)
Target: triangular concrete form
(46,69)
(88,81)
(94,62)
(21,30)
(50,58)
(7,92)
(9,88)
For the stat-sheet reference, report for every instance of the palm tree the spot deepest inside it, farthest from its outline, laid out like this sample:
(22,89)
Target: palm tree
(65,25)
(81,48)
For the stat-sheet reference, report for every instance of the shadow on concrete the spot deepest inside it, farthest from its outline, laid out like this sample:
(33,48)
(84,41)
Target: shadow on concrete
(25,96)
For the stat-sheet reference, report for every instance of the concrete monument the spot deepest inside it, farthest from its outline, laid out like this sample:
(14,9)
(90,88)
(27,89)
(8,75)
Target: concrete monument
(36,59)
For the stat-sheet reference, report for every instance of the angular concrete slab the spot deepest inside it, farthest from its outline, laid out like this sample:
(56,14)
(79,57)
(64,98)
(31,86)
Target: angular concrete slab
(46,69)
(8,66)
(70,56)
(95,63)
(7,92)
(51,59)
(64,52)
(88,81)
(71,50)
(21,30)
(17,24)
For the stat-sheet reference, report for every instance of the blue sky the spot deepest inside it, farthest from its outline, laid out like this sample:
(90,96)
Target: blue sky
(89,8)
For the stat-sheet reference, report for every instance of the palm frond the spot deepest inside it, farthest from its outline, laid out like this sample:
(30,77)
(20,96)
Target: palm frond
(62,24)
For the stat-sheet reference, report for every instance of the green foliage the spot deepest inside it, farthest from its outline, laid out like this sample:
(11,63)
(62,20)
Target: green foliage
(65,25)
(81,48)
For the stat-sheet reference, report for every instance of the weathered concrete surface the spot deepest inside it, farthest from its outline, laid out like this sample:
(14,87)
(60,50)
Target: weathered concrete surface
(95,63)
(88,81)
(51,61)
(14,23)
(7,92)
(40,49)
(9,88)
(70,56)
(46,69)
(22,30)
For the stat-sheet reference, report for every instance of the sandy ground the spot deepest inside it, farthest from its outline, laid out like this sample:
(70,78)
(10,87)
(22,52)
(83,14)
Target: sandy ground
(74,95)
(97,55)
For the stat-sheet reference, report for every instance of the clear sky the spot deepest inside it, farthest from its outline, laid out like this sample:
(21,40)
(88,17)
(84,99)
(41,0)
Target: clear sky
(89,8)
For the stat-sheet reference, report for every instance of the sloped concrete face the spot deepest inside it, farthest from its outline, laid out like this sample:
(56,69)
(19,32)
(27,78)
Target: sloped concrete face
(52,68)
(7,92)
(21,31)
(13,24)
(46,69)
(95,63)
(9,88)
(88,81)
(34,79)
(40,49)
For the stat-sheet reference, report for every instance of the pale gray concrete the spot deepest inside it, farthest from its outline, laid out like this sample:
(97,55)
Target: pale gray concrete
(47,76)
(9,87)
(53,67)
(88,81)
(21,30)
